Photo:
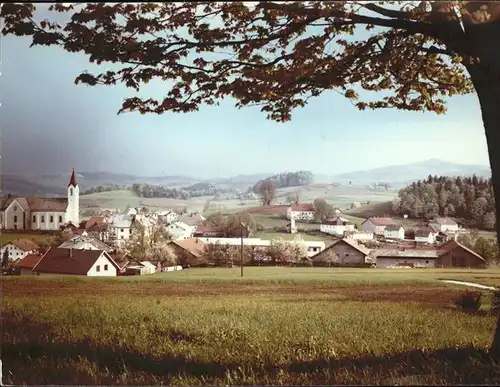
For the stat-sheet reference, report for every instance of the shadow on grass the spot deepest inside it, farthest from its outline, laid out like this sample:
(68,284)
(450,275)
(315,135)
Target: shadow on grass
(456,366)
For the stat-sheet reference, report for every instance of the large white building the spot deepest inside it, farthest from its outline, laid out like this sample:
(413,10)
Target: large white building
(37,213)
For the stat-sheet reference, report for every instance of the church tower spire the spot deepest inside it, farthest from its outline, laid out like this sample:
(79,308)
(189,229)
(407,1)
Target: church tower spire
(73,209)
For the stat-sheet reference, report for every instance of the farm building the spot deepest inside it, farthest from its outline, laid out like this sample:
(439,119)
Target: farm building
(120,229)
(19,248)
(376,225)
(406,258)
(77,262)
(425,235)
(347,252)
(454,254)
(192,219)
(444,225)
(189,252)
(207,231)
(26,264)
(301,211)
(360,236)
(394,231)
(336,226)
(139,268)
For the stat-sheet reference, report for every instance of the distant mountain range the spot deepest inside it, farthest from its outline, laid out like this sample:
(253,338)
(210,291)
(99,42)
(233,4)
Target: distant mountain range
(397,175)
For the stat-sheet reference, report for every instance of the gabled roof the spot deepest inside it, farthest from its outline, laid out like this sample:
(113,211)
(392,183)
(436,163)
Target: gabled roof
(70,261)
(79,240)
(24,244)
(336,221)
(28,262)
(393,227)
(445,222)
(380,221)
(38,204)
(94,220)
(452,245)
(424,231)
(352,243)
(193,245)
(302,207)
(191,219)
(182,225)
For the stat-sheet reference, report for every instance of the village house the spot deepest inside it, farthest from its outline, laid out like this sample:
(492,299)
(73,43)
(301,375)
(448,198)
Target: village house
(406,258)
(376,225)
(77,262)
(301,211)
(192,219)
(179,230)
(208,230)
(80,242)
(336,226)
(444,225)
(36,213)
(425,235)
(189,252)
(345,252)
(454,254)
(19,248)
(26,264)
(360,236)
(120,229)
(139,268)
(394,231)
(168,216)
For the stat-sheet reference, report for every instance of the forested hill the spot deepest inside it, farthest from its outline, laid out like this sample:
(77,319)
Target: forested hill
(288,179)
(468,199)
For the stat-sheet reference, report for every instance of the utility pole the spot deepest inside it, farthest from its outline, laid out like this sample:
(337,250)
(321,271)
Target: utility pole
(241,256)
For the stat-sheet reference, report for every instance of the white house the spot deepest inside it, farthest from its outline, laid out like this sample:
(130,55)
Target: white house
(336,226)
(444,225)
(80,242)
(376,225)
(95,263)
(394,231)
(168,216)
(425,235)
(19,248)
(360,236)
(301,211)
(180,230)
(37,213)
(120,229)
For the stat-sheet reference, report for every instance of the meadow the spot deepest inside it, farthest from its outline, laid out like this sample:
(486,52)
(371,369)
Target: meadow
(280,326)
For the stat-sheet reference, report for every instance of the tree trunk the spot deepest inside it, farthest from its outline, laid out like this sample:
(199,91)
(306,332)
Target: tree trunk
(486,79)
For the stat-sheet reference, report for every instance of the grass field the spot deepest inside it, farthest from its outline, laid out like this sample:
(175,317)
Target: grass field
(269,235)
(278,326)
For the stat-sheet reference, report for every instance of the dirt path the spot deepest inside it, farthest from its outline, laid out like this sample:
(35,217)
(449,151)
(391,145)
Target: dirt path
(470,284)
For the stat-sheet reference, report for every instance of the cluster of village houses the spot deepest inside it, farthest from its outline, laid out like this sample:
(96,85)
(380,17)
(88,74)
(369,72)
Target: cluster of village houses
(95,245)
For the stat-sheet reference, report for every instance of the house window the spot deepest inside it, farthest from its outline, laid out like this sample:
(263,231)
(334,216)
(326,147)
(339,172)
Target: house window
(98,268)
(34,218)
(426,261)
(121,230)
(15,208)
(346,254)
(51,218)
(43,219)
(71,192)
(15,218)
(60,219)
(105,267)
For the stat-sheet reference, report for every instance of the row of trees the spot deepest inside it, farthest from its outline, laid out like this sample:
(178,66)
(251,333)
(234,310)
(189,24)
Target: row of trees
(231,224)
(104,188)
(287,179)
(485,247)
(470,199)
(159,191)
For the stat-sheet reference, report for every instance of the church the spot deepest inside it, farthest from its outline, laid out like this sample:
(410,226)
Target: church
(25,213)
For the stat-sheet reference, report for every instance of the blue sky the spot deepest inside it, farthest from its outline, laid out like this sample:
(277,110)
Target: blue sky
(51,125)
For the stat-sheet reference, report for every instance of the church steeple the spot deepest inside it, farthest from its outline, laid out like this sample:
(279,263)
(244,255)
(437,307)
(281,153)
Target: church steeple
(72,180)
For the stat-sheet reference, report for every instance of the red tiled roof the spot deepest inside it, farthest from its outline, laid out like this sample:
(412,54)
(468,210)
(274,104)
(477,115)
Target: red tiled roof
(25,244)
(70,261)
(381,221)
(452,245)
(302,207)
(28,262)
(207,228)
(192,245)
(424,231)
(95,220)
(353,244)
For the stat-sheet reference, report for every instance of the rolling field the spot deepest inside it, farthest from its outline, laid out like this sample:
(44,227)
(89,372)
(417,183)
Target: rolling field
(6,237)
(280,326)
